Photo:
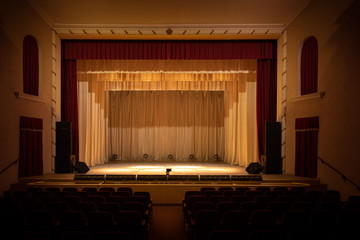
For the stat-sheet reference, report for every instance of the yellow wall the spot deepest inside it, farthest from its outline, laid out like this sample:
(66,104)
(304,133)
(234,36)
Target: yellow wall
(336,26)
(18,19)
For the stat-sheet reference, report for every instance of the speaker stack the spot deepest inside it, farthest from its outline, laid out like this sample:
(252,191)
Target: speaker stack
(63,162)
(273,163)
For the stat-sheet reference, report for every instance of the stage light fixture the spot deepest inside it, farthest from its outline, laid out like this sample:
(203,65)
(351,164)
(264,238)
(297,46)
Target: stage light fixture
(115,156)
(170,156)
(145,156)
(216,157)
(191,156)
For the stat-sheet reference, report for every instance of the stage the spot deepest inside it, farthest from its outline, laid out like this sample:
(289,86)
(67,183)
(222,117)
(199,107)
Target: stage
(166,187)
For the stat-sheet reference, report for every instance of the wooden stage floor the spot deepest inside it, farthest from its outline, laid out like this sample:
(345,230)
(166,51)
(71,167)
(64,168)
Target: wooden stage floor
(165,192)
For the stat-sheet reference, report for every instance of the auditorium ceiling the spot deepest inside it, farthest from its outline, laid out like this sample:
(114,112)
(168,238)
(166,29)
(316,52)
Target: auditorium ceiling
(89,18)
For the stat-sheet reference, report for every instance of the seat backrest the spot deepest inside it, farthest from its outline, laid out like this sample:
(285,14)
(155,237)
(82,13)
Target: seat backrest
(293,217)
(323,217)
(128,218)
(86,207)
(208,218)
(145,194)
(262,218)
(125,189)
(73,219)
(41,218)
(111,207)
(227,206)
(237,218)
(100,219)
(198,206)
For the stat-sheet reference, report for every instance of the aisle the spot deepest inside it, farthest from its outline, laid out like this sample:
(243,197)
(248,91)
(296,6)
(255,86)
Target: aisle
(167,223)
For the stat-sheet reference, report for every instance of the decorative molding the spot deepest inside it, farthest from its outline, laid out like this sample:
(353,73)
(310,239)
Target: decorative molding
(269,31)
(306,97)
(284,98)
(29,97)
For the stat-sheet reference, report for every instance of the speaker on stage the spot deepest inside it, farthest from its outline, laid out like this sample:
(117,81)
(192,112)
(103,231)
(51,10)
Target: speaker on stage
(81,167)
(63,164)
(63,160)
(254,168)
(273,162)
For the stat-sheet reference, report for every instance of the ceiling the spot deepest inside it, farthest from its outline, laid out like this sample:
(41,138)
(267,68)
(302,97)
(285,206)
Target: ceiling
(168,17)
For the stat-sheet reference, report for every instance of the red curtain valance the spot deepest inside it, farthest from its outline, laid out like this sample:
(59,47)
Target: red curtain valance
(162,49)
(308,123)
(31,123)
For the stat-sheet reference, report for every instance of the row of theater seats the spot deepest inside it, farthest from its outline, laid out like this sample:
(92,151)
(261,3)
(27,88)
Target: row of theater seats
(283,213)
(72,213)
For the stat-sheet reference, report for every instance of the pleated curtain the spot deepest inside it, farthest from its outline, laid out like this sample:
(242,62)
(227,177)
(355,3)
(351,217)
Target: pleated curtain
(188,110)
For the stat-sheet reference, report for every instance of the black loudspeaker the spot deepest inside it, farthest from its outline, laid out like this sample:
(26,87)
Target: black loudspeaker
(63,138)
(63,162)
(273,162)
(81,167)
(254,168)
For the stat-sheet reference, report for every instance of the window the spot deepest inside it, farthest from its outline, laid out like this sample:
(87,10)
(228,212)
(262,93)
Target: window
(30,66)
(309,66)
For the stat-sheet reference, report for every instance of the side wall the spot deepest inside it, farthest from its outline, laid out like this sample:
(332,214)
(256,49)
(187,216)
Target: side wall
(336,26)
(18,19)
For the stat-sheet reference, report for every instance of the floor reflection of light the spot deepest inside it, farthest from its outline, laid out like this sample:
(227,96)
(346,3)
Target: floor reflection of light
(117,170)
(152,170)
(216,169)
(166,166)
(184,169)
(141,167)
(160,168)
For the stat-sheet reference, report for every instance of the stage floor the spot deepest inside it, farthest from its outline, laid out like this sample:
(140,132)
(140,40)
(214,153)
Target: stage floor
(159,168)
(165,192)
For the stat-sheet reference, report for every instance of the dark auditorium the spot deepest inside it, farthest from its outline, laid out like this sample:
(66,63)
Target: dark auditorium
(179,119)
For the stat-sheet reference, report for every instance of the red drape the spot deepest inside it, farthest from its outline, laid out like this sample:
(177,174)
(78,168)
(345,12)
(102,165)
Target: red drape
(69,106)
(30,66)
(309,66)
(265,98)
(31,147)
(306,146)
(263,50)
(158,49)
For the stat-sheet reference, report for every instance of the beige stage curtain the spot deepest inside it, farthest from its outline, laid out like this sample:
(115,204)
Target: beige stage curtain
(104,84)
(163,124)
